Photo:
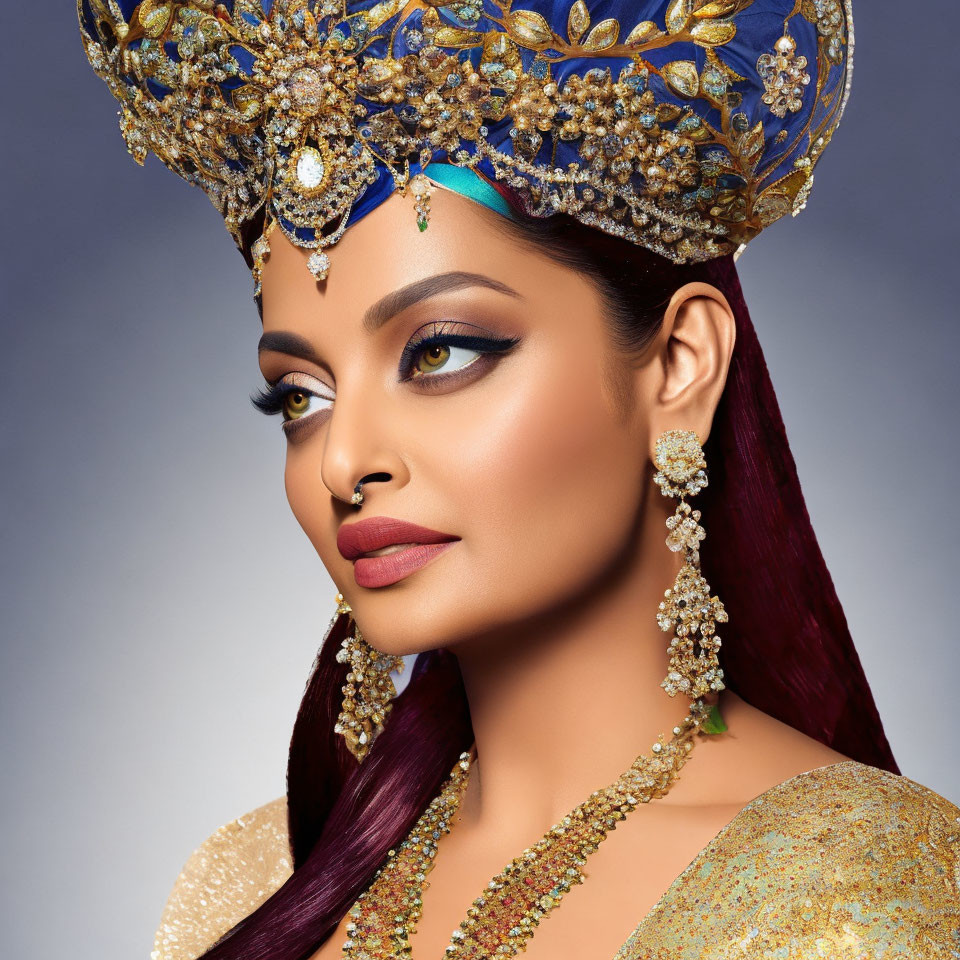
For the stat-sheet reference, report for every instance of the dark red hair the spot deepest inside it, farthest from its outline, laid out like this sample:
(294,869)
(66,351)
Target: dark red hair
(787,649)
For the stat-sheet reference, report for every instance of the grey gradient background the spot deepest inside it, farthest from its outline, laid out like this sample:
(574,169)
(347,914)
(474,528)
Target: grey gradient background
(161,608)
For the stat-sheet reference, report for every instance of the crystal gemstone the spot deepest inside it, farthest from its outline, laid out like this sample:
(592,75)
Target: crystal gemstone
(306,87)
(310,168)
(318,263)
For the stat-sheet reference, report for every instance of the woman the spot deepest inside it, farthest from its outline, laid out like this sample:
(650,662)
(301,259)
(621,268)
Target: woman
(481,418)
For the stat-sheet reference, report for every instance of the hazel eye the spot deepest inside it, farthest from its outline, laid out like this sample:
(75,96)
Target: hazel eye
(296,404)
(441,349)
(438,356)
(294,400)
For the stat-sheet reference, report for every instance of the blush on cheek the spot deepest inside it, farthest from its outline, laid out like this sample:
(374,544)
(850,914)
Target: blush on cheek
(537,486)
(547,424)
(566,429)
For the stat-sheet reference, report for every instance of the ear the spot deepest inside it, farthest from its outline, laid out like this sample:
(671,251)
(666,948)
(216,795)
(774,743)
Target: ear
(694,350)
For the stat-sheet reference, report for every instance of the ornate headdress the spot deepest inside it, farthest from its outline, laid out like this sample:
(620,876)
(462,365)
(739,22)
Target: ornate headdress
(684,126)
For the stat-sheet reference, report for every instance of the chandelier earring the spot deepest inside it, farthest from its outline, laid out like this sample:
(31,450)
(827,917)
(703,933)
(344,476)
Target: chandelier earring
(687,608)
(368,690)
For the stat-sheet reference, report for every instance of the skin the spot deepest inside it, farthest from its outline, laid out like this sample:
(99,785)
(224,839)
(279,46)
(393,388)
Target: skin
(541,462)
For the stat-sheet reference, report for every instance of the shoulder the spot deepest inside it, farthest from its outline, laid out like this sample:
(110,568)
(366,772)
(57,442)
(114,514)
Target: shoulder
(224,880)
(862,837)
(848,789)
(845,860)
(878,852)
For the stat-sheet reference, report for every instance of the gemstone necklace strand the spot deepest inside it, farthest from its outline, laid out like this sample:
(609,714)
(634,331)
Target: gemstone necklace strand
(506,915)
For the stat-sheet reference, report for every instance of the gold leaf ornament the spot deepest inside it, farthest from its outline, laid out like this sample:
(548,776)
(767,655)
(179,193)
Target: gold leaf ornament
(681,77)
(678,13)
(715,80)
(669,112)
(457,37)
(644,31)
(498,48)
(154,17)
(780,198)
(809,10)
(378,15)
(530,29)
(718,8)
(732,75)
(603,35)
(771,205)
(713,32)
(749,145)
(577,21)
(247,100)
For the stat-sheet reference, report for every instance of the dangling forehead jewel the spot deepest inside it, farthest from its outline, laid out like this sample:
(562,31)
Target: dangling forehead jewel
(685,127)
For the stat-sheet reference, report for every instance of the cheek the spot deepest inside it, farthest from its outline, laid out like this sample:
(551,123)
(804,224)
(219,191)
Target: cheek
(546,483)
(310,501)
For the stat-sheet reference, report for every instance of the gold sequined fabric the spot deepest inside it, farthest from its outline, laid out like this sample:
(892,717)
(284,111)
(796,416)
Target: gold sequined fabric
(847,862)
(227,877)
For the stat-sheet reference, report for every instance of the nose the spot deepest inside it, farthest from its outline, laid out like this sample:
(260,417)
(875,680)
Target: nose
(359,450)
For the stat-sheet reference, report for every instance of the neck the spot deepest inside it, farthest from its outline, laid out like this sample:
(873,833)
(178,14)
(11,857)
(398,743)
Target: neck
(561,706)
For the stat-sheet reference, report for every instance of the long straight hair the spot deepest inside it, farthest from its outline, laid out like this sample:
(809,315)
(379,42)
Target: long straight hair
(787,649)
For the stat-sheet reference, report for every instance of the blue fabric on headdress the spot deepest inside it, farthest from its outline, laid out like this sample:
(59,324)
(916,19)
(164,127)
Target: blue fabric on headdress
(759,24)
(685,125)
(374,195)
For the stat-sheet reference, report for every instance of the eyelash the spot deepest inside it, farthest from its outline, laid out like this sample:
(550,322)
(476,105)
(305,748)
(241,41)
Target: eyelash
(270,398)
(439,335)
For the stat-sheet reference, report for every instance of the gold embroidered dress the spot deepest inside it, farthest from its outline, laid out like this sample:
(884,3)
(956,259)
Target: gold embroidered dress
(844,861)
(684,126)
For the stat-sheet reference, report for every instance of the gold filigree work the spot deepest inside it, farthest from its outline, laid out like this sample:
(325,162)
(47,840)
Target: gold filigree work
(629,118)
(844,854)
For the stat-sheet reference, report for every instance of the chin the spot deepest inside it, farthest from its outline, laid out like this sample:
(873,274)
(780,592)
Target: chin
(410,621)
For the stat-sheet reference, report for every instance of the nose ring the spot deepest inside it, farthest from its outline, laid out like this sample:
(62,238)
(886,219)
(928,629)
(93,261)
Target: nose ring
(357,498)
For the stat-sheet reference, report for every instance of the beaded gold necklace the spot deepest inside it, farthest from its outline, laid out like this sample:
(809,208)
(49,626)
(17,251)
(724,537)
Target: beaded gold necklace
(505,916)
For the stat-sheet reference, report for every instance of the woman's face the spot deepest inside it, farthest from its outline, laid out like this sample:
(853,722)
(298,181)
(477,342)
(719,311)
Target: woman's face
(477,382)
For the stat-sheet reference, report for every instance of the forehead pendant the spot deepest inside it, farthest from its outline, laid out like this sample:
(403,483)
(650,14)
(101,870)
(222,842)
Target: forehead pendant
(685,126)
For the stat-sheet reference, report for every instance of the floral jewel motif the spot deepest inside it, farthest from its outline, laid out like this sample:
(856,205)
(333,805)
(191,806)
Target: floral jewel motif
(690,611)
(783,77)
(685,532)
(681,464)
(687,607)
(629,116)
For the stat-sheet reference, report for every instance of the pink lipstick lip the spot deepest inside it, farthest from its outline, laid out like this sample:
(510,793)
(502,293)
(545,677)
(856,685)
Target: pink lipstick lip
(372,533)
(393,567)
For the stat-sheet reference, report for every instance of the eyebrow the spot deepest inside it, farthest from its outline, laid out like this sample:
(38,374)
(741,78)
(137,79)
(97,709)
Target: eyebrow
(398,301)
(389,306)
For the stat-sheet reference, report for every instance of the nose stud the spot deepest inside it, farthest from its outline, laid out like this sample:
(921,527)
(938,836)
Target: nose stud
(357,498)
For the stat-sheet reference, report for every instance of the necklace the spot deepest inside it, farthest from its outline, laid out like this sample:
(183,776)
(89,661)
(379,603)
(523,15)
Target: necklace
(506,914)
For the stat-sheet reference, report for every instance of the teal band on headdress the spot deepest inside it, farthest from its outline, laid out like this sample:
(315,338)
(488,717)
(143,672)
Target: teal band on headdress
(469,184)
